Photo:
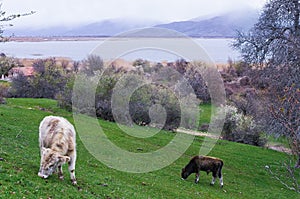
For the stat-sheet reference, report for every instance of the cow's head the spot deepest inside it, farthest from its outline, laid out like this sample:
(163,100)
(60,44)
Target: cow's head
(50,160)
(185,173)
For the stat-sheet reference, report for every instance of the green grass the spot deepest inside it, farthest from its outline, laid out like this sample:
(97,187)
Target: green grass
(205,114)
(278,141)
(244,166)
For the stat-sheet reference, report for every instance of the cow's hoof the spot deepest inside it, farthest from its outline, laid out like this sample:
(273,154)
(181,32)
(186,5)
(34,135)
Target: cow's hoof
(74,182)
(211,184)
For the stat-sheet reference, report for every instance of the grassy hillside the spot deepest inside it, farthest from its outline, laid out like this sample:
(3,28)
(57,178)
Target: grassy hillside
(244,169)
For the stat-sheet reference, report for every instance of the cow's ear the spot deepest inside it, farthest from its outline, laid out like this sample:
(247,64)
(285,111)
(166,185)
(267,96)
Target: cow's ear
(64,159)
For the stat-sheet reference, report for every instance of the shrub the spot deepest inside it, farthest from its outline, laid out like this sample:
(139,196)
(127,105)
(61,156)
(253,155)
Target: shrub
(3,91)
(149,99)
(6,64)
(193,73)
(143,65)
(104,91)
(241,128)
(21,87)
(144,102)
(64,97)
(92,64)
(49,79)
(156,100)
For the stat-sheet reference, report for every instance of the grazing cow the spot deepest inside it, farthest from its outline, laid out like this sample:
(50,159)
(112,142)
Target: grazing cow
(57,140)
(204,163)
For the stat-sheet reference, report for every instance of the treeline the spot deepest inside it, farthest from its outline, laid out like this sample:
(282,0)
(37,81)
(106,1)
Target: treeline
(55,80)
(148,96)
(154,99)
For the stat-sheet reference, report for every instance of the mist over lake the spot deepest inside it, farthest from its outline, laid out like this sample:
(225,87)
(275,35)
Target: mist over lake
(218,49)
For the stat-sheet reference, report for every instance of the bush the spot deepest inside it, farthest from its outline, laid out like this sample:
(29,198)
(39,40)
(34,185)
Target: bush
(91,65)
(6,64)
(241,128)
(156,100)
(64,97)
(49,79)
(146,104)
(3,91)
(21,87)
(140,98)
(193,73)
(104,92)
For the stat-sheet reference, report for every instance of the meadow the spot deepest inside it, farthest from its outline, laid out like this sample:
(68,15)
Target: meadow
(244,170)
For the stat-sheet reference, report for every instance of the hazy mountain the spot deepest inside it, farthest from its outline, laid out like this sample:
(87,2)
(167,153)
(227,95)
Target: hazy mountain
(109,27)
(103,28)
(37,32)
(216,26)
(224,25)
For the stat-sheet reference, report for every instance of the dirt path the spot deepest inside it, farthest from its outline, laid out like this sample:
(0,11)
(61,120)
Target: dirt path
(277,147)
(197,133)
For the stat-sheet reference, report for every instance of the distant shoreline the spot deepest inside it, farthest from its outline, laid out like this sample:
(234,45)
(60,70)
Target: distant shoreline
(77,48)
(43,39)
(88,38)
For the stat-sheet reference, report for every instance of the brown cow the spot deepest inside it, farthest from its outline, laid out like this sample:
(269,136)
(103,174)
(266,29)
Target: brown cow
(57,140)
(204,163)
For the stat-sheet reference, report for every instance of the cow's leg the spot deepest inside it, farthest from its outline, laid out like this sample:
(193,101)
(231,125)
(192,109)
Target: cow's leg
(60,172)
(221,179)
(197,177)
(72,168)
(214,176)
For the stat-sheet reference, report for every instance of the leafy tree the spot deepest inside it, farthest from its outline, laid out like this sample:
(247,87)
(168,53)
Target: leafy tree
(272,46)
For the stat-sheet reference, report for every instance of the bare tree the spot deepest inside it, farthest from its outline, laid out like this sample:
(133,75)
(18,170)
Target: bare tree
(275,38)
(5,18)
(273,47)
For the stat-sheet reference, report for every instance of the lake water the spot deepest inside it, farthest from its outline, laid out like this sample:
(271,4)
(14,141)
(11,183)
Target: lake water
(218,50)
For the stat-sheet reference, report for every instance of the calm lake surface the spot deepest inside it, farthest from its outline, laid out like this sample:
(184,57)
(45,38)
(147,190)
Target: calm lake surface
(218,50)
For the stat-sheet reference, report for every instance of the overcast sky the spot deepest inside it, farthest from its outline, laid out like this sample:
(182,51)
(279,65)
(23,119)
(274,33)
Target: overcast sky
(70,12)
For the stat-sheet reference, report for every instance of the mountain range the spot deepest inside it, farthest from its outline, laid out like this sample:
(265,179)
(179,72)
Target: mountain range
(223,25)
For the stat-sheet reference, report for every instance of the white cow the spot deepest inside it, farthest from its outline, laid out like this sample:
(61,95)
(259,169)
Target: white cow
(57,140)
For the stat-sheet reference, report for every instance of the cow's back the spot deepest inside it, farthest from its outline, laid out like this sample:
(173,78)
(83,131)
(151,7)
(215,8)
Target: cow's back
(57,132)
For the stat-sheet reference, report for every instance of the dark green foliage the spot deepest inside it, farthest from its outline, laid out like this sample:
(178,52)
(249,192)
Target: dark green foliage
(49,80)
(21,87)
(142,94)
(146,98)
